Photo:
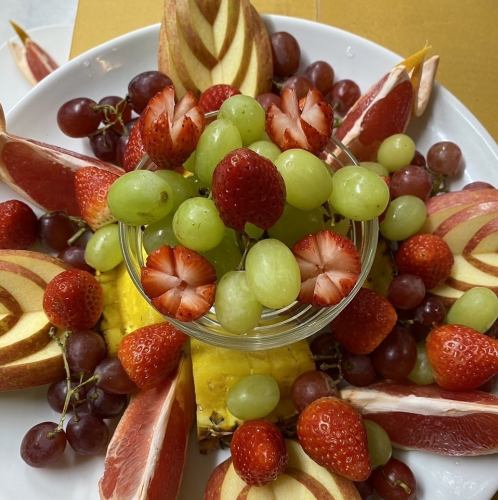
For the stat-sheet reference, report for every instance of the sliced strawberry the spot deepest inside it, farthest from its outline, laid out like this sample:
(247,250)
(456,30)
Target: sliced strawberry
(180,282)
(213,97)
(134,147)
(170,132)
(289,127)
(330,265)
(91,185)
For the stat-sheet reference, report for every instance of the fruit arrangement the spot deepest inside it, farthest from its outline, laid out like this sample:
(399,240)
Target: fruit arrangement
(247,201)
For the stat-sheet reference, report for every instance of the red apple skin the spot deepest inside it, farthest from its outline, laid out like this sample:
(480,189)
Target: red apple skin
(215,482)
(489,229)
(457,198)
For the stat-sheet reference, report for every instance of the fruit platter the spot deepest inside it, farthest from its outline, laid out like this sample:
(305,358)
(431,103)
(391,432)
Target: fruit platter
(267,270)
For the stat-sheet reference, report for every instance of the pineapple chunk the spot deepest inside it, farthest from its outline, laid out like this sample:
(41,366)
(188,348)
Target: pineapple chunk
(216,370)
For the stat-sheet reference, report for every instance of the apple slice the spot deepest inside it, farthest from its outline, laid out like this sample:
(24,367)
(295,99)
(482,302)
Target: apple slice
(10,311)
(465,276)
(166,64)
(45,266)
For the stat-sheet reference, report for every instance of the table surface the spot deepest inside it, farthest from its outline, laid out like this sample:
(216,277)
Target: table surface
(463,32)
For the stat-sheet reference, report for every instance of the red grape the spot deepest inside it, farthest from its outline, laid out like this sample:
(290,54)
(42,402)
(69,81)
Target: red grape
(343,95)
(394,481)
(478,185)
(321,75)
(357,369)
(55,230)
(300,84)
(396,356)
(83,239)
(104,144)
(266,100)
(418,159)
(56,395)
(310,386)
(120,150)
(112,377)
(365,489)
(286,54)
(85,350)
(78,117)
(87,434)
(144,86)
(43,445)
(445,158)
(412,180)
(122,109)
(430,312)
(406,291)
(104,404)
(75,257)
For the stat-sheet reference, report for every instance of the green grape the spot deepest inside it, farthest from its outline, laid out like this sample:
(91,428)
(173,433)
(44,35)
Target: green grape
(307,180)
(379,445)
(103,251)
(197,225)
(189,163)
(273,273)
(227,255)
(253,231)
(396,152)
(477,308)
(404,217)
(216,141)
(158,234)
(375,167)
(422,371)
(266,149)
(140,197)
(358,193)
(247,115)
(237,309)
(181,186)
(254,396)
(294,224)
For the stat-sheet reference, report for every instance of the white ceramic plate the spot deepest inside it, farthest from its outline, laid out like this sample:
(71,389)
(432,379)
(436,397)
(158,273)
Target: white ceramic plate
(106,70)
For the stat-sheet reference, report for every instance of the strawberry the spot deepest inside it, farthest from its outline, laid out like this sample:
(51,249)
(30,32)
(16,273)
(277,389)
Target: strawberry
(364,323)
(73,300)
(180,282)
(151,353)
(289,127)
(170,132)
(461,357)
(213,97)
(258,452)
(427,256)
(331,432)
(134,147)
(18,225)
(329,265)
(91,185)
(248,188)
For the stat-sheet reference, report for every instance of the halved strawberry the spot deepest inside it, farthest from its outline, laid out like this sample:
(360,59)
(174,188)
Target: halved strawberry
(213,97)
(170,132)
(91,185)
(289,127)
(330,266)
(180,282)
(134,147)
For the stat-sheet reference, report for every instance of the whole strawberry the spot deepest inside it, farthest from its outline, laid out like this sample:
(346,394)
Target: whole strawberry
(427,256)
(18,225)
(151,353)
(91,185)
(134,147)
(364,323)
(259,453)
(73,300)
(213,97)
(461,357)
(331,432)
(248,188)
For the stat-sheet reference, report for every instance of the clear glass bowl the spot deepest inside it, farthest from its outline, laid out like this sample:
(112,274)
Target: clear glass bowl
(277,327)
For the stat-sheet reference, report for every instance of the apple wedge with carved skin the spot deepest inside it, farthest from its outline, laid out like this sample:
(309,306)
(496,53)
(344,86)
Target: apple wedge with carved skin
(10,311)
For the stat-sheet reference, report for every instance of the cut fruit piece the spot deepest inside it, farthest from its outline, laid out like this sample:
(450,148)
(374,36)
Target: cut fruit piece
(10,311)
(147,452)
(28,335)
(464,276)
(45,266)
(430,418)
(42,367)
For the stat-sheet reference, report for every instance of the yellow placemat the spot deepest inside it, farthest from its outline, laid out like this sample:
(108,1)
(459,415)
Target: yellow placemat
(463,32)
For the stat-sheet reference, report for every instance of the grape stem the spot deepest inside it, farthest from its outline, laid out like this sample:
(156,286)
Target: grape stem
(76,235)
(110,110)
(245,243)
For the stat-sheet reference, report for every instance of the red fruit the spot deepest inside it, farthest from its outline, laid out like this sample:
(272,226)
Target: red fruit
(73,300)
(18,225)
(289,127)
(134,147)
(394,481)
(365,322)
(180,282)
(248,188)
(329,265)
(331,432)
(427,256)
(170,131)
(213,97)
(91,185)
(461,357)
(151,353)
(259,453)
